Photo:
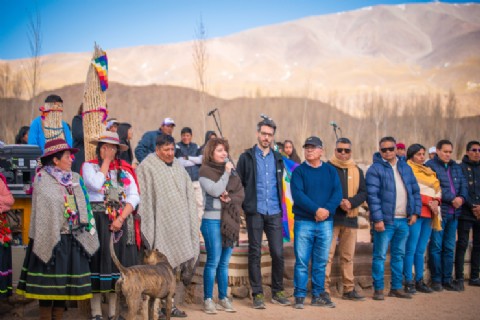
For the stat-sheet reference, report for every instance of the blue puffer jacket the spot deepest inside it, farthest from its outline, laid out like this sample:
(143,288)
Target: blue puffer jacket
(381,190)
(458,180)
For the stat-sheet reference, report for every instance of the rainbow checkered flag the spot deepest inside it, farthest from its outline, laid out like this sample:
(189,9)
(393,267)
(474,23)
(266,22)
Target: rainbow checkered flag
(287,200)
(101,66)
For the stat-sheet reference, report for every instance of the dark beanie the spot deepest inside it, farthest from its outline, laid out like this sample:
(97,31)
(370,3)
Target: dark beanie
(53,98)
(413,149)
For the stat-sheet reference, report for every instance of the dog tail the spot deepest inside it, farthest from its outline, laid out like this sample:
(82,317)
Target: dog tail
(114,256)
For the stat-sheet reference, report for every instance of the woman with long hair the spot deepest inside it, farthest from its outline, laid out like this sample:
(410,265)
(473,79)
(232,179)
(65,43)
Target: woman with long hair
(125,133)
(290,151)
(62,235)
(223,194)
(113,191)
(22,135)
(420,231)
(77,135)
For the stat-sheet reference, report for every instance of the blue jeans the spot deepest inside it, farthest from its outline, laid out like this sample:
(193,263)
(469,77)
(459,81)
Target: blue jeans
(217,259)
(396,235)
(417,242)
(441,250)
(312,240)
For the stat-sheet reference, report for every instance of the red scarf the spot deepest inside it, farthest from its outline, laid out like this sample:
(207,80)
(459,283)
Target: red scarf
(121,164)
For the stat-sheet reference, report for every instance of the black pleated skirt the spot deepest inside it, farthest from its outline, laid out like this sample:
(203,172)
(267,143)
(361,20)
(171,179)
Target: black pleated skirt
(5,271)
(66,277)
(104,272)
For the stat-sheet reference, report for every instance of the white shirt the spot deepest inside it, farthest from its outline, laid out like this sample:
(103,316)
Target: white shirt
(94,180)
(401,194)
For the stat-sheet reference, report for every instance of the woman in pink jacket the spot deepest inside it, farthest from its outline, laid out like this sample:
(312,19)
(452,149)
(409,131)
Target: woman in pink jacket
(6,202)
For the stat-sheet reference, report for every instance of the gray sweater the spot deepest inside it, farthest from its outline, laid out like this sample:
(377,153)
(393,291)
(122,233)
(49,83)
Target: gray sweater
(211,193)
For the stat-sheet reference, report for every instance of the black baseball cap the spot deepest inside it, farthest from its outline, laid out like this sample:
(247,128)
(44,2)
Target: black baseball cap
(313,141)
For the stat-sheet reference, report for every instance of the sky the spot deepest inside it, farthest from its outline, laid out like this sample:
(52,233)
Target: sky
(74,25)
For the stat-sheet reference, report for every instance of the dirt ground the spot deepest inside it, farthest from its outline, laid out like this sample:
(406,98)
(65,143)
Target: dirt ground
(443,305)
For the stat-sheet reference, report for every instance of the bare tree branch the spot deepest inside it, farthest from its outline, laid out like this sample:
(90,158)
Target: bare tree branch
(35,43)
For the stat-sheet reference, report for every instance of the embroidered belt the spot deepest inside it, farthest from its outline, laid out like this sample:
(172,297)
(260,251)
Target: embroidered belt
(98,206)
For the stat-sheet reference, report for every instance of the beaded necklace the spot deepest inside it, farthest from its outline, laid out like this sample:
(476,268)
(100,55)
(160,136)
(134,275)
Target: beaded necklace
(71,214)
(115,196)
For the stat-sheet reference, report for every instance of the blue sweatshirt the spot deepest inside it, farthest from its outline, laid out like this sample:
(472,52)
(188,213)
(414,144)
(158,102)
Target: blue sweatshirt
(314,188)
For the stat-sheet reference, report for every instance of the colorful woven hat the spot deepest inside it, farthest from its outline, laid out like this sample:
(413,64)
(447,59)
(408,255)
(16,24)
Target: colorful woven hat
(56,145)
(110,138)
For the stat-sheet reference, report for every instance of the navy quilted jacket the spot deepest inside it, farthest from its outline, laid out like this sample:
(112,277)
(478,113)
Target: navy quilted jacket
(381,190)
(456,179)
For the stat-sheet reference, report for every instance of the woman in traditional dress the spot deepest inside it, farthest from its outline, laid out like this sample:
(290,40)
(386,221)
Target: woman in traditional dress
(113,192)
(62,235)
(421,230)
(6,202)
(223,194)
(290,151)
(125,133)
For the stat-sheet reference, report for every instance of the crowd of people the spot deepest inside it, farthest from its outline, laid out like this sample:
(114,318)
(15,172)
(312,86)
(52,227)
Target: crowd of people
(175,191)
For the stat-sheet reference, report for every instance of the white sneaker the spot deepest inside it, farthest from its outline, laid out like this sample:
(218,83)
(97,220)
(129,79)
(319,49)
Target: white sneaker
(226,305)
(209,306)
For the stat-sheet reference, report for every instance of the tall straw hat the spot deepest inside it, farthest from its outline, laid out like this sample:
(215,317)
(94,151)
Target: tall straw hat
(110,138)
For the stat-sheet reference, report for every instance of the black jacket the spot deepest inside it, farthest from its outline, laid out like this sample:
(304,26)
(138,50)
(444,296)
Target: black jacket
(458,180)
(340,217)
(247,170)
(471,170)
(77,134)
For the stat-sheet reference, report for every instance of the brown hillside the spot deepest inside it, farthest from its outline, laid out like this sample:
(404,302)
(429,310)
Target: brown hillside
(424,121)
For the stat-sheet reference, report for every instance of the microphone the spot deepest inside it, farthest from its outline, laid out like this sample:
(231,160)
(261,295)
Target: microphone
(211,112)
(265,117)
(333,124)
(233,172)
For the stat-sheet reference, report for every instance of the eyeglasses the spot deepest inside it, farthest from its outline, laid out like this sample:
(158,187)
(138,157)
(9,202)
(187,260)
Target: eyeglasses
(341,150)
(474,150)
(384,150)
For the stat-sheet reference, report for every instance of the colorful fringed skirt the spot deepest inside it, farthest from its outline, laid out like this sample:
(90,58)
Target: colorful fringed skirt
(5,271)
(65,277)
(104,272)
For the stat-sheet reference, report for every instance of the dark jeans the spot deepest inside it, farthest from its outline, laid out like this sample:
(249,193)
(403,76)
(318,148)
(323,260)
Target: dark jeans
(463,233)
(272,225)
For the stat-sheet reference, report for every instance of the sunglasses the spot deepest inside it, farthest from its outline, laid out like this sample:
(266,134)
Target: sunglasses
(384,150)
(475,150)
(341,150)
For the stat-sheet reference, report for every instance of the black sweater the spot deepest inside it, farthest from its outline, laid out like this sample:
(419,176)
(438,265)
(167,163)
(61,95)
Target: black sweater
(340,218)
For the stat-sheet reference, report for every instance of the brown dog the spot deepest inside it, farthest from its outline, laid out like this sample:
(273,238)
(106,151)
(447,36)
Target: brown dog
(155,279)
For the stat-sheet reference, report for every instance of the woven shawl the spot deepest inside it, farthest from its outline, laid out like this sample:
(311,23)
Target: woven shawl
(168,213)
(230,212)
(47,218)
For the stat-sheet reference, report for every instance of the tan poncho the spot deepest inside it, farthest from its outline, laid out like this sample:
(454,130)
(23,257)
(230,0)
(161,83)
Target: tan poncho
(169,220)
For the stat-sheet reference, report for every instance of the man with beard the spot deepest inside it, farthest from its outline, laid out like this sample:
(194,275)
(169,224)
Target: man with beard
(261,168)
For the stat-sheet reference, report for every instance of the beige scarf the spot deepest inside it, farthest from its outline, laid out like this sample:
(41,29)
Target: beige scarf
(353,185)
(167,210)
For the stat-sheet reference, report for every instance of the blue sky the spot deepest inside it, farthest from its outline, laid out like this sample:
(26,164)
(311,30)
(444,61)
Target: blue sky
(74,25)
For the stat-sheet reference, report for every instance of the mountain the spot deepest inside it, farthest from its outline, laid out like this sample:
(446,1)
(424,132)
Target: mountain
(392,50)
